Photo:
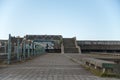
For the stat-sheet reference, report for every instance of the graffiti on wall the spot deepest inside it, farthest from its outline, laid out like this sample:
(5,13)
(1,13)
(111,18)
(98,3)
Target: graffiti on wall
(46,45)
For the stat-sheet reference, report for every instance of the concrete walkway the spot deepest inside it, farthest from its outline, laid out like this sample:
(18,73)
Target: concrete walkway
(48,67)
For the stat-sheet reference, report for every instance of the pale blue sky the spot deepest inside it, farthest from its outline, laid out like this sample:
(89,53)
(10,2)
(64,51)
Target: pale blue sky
(85,19)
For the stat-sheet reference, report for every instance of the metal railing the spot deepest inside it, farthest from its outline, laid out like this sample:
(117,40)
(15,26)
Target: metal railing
(19,50)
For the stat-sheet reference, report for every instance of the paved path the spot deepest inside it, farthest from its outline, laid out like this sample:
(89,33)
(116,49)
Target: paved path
(48,67)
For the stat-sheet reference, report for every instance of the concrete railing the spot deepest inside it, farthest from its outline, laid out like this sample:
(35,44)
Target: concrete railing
(79,50)
(100,65)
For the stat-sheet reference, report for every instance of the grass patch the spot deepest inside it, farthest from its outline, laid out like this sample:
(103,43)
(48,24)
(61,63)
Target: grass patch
(110,75)
(100,73)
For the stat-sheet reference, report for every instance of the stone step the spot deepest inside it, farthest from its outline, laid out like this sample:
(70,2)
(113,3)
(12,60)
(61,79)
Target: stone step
(71,50)
(69,45)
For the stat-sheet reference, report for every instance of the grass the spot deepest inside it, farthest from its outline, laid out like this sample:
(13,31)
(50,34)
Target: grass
(100,73)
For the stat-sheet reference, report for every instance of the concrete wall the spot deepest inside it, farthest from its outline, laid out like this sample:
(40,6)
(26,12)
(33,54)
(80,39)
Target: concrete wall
(99,46)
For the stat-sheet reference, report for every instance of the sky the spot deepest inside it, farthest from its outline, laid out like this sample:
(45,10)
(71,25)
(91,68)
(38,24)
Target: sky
(83,19)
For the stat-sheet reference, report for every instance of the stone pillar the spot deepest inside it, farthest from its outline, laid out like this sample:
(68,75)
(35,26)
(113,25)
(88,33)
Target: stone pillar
(28,50)
(62,49)
(95,67)
(18,49)
(28,46)
(89,65)
(5,47)
(9,49)
(32,49)
(24,48)
(104,70)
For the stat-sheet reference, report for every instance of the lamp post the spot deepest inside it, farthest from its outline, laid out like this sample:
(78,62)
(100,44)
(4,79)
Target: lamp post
(9,49)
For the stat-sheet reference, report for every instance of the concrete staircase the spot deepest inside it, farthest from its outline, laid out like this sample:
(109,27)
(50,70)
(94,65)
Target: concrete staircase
(70,45)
